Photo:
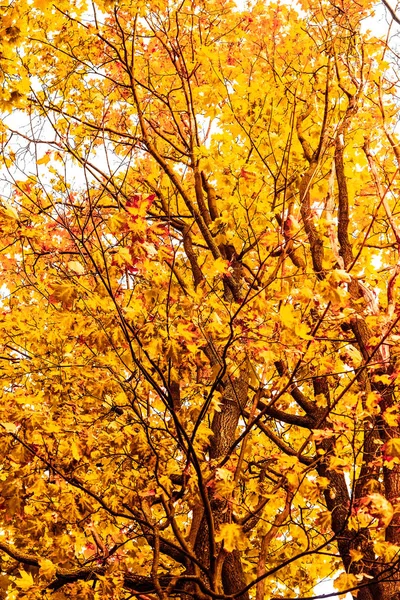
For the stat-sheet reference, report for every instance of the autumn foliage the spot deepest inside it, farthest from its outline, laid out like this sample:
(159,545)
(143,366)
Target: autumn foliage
(200,253)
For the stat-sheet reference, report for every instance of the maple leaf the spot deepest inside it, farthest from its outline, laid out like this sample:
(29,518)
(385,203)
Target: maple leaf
(346,581)
(392,447)
(8,211)
(219,267)
(25,581)
(47,568)
(76,266)
(355,555)
(64,292)
(378,507)
(231,534)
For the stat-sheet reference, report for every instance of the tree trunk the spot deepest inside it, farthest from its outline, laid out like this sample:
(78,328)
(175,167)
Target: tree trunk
(231,578)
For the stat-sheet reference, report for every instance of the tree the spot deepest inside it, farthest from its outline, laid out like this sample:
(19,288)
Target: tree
(199,317)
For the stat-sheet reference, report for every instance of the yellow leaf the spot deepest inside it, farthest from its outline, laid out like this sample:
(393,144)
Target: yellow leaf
(372,403)
(378,507)
(340,275)
(338,464)
(123,255)
(355,356)
(355,555)
(44,160)
(386,550)
(10,427)
(302,331)
(385,379)
(219,267)
(76,266)
(345,581)
(76,453)
(224,474)
(41,4)
(172,350)
(25,581)
(47,568)
(391,416)
(64,292)
(320,400)
(231,534)
(287,315)
(183,331)
(9,211)
(392,447)
(324,520)
(293,480)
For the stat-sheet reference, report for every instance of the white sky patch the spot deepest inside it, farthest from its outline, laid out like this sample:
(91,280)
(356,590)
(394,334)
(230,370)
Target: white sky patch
(326,587)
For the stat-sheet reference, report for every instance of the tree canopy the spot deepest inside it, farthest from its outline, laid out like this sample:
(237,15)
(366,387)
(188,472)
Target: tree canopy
(199,257)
